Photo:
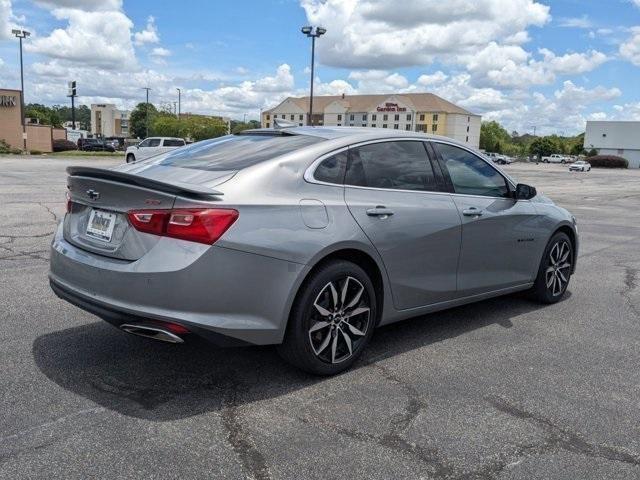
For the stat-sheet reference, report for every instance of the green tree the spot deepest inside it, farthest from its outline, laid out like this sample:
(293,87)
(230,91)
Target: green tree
(577,149)
(138,119)
(592,153)
(543,147)
(45,115)
(491,134)
(167,126)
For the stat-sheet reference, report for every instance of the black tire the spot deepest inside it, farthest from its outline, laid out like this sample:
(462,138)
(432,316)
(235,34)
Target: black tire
(131,158)
(542,290)
(309,350)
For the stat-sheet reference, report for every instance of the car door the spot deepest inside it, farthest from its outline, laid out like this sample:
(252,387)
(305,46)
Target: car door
(392,192)
(500,235)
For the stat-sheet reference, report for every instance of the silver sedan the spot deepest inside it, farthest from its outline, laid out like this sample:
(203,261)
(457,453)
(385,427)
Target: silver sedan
(308,238)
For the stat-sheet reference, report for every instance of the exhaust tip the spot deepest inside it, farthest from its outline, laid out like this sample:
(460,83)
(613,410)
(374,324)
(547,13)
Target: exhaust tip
(149,331)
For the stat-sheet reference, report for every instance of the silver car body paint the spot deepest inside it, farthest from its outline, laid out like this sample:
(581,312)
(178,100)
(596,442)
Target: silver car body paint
(429,255)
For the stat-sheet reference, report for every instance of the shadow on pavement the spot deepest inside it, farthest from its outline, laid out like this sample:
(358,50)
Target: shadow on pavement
(162,382)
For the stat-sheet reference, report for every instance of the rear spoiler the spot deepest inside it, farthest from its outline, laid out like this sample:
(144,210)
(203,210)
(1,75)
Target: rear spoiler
(176,188)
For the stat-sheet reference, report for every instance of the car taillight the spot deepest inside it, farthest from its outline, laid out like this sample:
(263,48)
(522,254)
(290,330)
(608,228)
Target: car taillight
(204,225)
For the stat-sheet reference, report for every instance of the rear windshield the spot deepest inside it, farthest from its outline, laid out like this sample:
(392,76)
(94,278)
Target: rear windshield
(235,152)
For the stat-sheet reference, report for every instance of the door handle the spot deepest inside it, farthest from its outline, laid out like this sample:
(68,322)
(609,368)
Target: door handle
(380,211)
(472,212)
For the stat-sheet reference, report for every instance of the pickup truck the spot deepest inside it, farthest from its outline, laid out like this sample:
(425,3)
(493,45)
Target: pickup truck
(555,158)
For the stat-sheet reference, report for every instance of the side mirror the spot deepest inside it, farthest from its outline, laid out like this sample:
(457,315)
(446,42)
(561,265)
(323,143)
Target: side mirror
(525,192)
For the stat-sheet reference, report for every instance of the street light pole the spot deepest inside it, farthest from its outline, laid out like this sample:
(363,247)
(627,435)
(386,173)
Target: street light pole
(313,32)
(179,100)
(20,34)
(146,112)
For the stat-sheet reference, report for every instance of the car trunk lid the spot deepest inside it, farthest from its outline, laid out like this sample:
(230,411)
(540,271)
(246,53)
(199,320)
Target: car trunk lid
(100,199)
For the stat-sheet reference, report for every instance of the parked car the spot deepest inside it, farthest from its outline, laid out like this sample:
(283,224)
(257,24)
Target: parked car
(152,146)
(580,166)
(498,158)
(306,237)
(556,158)
(96,145)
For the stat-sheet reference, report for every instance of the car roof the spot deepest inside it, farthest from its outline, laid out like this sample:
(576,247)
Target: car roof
(355,134)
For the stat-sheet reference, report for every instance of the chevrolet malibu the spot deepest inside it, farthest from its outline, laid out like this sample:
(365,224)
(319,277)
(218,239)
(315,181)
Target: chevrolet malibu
(304,237)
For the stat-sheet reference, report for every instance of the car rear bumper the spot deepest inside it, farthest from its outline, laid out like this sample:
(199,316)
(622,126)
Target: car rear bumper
(215,292)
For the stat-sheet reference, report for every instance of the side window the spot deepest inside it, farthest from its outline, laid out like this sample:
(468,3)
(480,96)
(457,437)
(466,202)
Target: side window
(154,142)
(331,170)
(471,175)
(145,143)
(392,165)
(170,142)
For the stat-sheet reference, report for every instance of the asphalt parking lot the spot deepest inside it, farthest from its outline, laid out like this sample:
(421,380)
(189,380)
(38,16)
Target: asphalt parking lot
(504,389)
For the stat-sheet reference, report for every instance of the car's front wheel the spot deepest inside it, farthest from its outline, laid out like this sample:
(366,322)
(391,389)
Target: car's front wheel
(332,319)
(555,269)
(130,158)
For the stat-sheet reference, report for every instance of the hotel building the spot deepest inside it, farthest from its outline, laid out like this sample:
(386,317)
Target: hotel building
(416,112)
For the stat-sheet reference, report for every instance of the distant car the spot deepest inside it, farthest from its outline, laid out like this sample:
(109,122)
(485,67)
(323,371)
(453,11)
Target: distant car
(97,145)
(152,146)
(556,158)
(580,166)
(498,158)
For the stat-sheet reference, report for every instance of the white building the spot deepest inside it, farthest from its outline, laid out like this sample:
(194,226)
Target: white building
(615,138)
(418,112)
(108,121)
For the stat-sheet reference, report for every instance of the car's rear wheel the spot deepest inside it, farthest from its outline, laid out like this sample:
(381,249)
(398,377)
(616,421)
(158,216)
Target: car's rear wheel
(555,270)
(332,319)
(131,158)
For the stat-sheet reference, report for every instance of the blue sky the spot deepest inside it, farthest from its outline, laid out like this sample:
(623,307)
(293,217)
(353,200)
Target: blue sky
(525,63)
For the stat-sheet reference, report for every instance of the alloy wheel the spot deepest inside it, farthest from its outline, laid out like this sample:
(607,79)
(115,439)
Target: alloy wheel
(340,319)
(558,272)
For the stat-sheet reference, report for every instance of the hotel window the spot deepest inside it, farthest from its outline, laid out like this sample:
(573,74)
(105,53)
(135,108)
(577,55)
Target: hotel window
(300,124)
(434,128)
(364,124)
(300,117)
(373,125)
(395,126)
(352,117)
(467,139)
(468,119)
(364,117)
(407,126)
(267,125)
(467,128)
(374,117)
(339,124)
(435,117)
(408,117)
(422,117)
(339,117)
(351,124)
(384,125)
(268,117)
(292,117)
(385,117)
(396,117)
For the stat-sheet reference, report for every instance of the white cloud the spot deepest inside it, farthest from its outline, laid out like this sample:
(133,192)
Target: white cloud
(434,79)
(160,52)
(148,35)
(379,81)
(87,5)
(379,34)
(577,22)
(8,20)
(630,49)
(97,38)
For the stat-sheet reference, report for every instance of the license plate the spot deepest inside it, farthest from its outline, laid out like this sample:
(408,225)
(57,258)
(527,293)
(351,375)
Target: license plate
(101,225)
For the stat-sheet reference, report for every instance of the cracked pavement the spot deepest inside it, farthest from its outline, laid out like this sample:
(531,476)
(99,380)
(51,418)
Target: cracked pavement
(503,389)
